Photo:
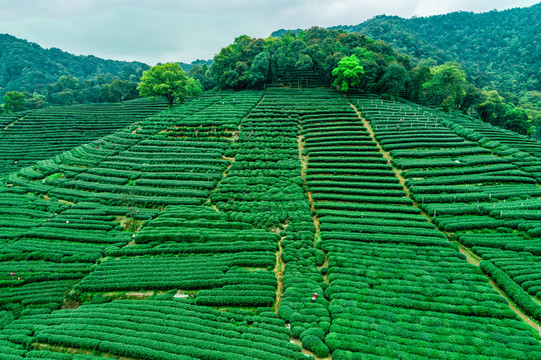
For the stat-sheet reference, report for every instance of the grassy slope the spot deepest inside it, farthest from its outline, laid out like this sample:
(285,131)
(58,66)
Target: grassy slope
(380,258)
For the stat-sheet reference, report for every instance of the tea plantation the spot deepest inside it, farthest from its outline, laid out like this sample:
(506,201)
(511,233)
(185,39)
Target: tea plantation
(203,232)
(26,137)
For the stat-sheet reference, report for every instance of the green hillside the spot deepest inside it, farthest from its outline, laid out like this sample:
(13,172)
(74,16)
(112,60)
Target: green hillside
(203,232)
(26,137)
(500,49)
(26,66)
(55,77)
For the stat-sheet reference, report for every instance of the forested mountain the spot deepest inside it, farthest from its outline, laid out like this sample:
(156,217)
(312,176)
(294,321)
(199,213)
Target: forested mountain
(500,49)
(55,77)
(26,66)
(199,62)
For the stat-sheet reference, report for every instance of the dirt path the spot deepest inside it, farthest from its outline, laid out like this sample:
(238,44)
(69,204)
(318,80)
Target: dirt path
(533,323)
(387,156)
(71,350)
(308,352)
(279,272)
(302,158)
(12,124)
(325,264)
(304,165)
(475,260)
(470,256)
(224,174)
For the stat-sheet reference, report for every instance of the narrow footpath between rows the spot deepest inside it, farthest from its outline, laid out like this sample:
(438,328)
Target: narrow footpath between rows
(304,165)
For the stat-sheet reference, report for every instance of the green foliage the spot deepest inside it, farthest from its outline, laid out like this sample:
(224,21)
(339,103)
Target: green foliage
(13,101)
(348,73)
(29,68)
(313,343)
(502,41)
(169,81)
(512,289)
(446,86)
(203,75)
(393,80)
(302,58)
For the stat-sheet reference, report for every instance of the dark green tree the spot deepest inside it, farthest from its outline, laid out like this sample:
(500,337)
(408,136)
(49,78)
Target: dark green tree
(492,109)
(203,75)
(516,119)
(68,82)
(259,71)
(419,76)
(393,80)
(447,86)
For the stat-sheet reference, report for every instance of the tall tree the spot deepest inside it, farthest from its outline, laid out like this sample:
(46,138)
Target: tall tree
(447,85)
(393,80)
(169,81)
(13,102)
(259,71)
(516,119)
(348,73)
(492,109)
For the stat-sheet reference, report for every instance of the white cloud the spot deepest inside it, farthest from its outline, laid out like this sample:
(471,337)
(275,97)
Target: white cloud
(183,30)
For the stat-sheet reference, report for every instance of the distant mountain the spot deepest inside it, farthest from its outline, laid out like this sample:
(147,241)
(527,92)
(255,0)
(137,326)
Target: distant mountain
(187,67)
(26,66)
(499,47)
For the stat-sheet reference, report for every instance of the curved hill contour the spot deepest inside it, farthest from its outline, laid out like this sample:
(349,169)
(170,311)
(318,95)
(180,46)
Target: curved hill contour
(204,231)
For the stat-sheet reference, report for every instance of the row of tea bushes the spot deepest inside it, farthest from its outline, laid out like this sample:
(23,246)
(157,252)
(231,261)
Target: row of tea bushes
(264,186)
(41,134)
(158,329)
(487,198)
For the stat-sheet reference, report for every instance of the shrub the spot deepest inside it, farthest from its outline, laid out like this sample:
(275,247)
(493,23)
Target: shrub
(315,331)
(296,331)
(320,257)
(313,343)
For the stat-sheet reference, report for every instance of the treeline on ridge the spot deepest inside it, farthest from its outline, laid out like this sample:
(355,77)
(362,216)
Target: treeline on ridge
(250,63)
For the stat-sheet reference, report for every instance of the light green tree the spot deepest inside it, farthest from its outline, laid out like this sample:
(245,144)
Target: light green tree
(13,102)
(169,81)
(348,73)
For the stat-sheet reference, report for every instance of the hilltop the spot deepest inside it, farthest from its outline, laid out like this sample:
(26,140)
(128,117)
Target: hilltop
(203,232)
(500,49)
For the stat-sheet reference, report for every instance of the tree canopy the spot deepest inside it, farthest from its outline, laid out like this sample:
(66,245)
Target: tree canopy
(494,110)
(27,67)
(13,101)
(168,81)
(250,63)
(348,73)
(446,86)
(499,50)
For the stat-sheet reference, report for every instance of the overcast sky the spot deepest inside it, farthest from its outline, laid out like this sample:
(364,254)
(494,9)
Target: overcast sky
(154,31)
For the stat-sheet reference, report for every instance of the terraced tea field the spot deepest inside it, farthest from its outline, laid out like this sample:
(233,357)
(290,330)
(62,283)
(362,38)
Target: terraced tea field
(40,134)
(203,232)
